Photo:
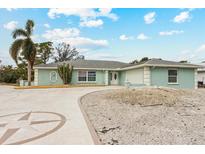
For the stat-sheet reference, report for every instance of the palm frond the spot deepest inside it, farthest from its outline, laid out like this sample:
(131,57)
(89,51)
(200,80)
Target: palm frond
(19,33)
(29,27)
(29,50)
(15,48)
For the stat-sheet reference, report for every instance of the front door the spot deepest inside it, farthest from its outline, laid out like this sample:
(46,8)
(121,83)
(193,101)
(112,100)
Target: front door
(114,78)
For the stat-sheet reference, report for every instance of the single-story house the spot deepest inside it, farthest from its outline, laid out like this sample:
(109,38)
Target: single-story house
(201,74)
(154,72)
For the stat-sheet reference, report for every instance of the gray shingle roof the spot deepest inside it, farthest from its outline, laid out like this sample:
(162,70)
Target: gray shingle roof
(103,64)
(156,62)
(96,64)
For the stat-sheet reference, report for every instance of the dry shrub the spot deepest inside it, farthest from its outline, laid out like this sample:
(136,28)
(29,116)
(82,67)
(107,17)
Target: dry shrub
(147,96)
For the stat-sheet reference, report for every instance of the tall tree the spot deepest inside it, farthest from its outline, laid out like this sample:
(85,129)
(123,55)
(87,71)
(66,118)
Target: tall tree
(23,45)
(134,61)
(65,52)
(80,57)
(144,59)
(44,52)
(0,64)
(183,61)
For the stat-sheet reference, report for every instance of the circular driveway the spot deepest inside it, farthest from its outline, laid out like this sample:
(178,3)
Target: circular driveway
(43,116)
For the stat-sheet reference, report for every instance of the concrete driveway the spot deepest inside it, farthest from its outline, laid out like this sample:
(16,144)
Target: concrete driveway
(43,116)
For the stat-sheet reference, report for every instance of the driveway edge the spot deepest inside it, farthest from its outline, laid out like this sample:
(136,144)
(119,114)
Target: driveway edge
(91,129)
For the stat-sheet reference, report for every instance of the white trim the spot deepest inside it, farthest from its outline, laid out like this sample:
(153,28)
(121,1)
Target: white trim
(92,69)
(195,79)
(78,76)
(36,77)
(55,74)
(125,68)
(106,78)
(173,83)
(45,68)
(147,76)
(157,65)
(78,68)
(87,76)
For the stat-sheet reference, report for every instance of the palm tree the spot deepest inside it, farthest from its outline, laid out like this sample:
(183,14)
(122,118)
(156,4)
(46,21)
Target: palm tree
(24,46)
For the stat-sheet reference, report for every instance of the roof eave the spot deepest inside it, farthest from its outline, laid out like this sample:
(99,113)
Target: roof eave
(127,68)
(178,66)
(80,68)
(159,65)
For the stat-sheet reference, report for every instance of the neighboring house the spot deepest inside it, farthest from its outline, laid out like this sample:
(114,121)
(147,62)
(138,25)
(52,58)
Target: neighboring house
(201,74)
(154,72)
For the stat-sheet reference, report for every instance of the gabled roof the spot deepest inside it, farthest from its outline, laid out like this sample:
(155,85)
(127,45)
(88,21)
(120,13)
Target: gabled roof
(155,62)
(116,65)
(202,69)
(162,63)
(94,64)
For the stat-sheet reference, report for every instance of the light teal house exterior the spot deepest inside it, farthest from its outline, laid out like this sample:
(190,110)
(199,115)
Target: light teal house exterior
(154,72)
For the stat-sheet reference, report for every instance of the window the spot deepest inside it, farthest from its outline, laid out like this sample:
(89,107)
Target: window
(172,76)
(82,76)
(86,76)
(53,76)
(91,76)
(115,76)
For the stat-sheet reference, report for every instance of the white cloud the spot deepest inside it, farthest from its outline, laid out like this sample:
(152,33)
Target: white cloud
(47,25)
(123,37)
(11,9)
(142,36)
(106,12)
(84,42)
(6,58)
(72,36)
(84,50)
(186,55)
(196,55)
(83,13)
(91,23)
(11,25)
(172,32)
(57,34)
(201,48)
(36,38)
(102,56)
(182,17)
(150,17)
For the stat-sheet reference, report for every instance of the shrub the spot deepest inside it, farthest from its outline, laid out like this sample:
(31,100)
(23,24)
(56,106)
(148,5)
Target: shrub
(9,74)
(65,72)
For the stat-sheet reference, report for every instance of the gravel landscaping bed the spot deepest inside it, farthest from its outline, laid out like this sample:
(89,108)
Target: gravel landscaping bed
(147,116)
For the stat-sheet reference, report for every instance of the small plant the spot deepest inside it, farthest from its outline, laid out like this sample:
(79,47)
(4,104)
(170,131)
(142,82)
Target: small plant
(65,72)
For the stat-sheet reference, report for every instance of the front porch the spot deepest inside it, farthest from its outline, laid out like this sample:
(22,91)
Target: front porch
(114,78)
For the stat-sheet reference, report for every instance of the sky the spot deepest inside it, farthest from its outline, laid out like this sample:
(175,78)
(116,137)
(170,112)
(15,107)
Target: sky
(113,34)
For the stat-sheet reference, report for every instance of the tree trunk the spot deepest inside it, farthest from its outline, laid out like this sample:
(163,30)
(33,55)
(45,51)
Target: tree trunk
(29,73)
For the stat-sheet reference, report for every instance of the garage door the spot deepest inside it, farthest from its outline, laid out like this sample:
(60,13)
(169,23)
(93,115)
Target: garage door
(135,76)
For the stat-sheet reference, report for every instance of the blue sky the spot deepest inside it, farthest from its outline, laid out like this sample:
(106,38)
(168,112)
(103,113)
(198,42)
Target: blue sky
(113,34)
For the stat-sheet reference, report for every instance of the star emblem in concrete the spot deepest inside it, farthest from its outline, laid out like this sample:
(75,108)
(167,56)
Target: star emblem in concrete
(25,127)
